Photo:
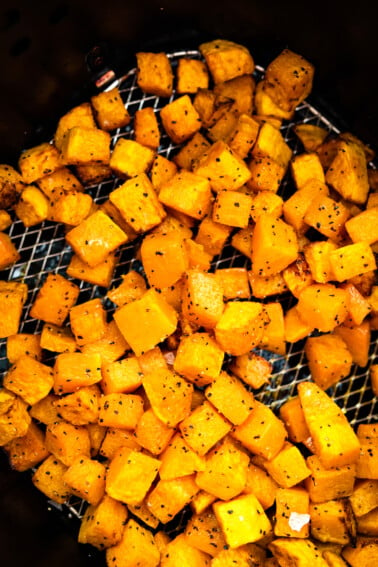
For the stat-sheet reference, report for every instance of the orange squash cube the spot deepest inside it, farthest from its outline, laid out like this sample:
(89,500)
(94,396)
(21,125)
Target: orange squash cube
(132,287)
(240,327)
(198,358)
(137,544)
(21,344)
(253,369)
(261,484)
(146,129)
(119,410)
(146,322)
(204,533)
(292,513)
(27,451)
(12,295)
(86,479)
(80,115)
(115,439)
(54,299)
(14,417)
(169,497)
(82,146)
(192,74)
(232,208)
(8,252)
(288,467)
(230,398)
(170,395)
(130,158)
(48,478)
(274,245)
(162,170)
(81,407)
(213,236)
(152,434)
(30,379)
(226,59)
(95,238)
(121,376)
(329,484)
(75,370)
(67,442)
(202,299)
(102,525)
(203,428)
(100,275)
(154,73)
(347,172)
(39,161)
(323,306)
(292,415)
(328,358)
(179,460)
(188,193)
(180,119)
(266,173)
(164,259)
(130,475)
(109,110)
(88,321)
(352,260)
(234,282)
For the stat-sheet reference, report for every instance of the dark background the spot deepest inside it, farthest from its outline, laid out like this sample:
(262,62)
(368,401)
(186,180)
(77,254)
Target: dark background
(44,73)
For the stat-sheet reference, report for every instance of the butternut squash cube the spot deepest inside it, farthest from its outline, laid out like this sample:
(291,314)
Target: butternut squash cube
(204,533)
(292,513)
(130,158)
(39,161)
(54,299)
(146,322)
(232,208)
(164,259)
(115,439)
(137,545)
(45,411)
(328,358)
(292,415)
(329,484)
(5,219)
(347,172)
(12,295)
(121,376)
(265,105)
(225,471)
(242,520)
(230,398)
(288,467)
(8,252)
(363,226)
(234,282)
(266,174)
(153,434)
(334,441)
(226,59)
(75,370)
(21,344)
(88,321)
(82,146)
(30,379)
(102,525)
(48,478)
(288,79)
(298,552)
(162,170)
(146,128)
(95,238)
(297,205)
(266,202)
(311,135)
(71,208)
(169,497)
(81,407)
(274,245)
(270,143)
(202,299)
(323,306)
(253,369)
(101,274)
(109,110)
(170,395)
(11,186)
(331,522)
(295,328)
(14,417)
(86,479)
(243,135)
(317,255)
(364,497)
(262,433)
(138,204)
(261,484)
(222,167)
(192,75)
(154,74)
(27,451)
(180,119)
(213,237)
(363,552)
(203,428)
(273,337)
(120,410)
(357,340)
(240,327)
(198,358)
(67,442)
(80,115)
(188,193)
(305,167)
(352,260)
(179,460)
(327,216)
(132,287)
(130,475)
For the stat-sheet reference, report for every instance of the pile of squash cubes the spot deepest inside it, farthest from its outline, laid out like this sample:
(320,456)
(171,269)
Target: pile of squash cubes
(152,412)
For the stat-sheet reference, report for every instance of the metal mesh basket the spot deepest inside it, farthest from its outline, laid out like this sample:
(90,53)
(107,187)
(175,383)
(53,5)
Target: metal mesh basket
(43,249)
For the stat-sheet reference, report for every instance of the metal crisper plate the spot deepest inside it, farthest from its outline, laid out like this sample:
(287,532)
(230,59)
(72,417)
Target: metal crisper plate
(43,249)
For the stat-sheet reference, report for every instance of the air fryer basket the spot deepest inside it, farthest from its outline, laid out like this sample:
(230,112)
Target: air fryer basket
(43,249)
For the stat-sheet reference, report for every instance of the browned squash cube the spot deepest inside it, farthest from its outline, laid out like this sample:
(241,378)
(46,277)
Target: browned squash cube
(130,158)
(265,106)
(266,174)
(192,74)
(11,185)
(93,173)
(288,468)
(85,478)
(270,143)
(288,79)
(45,411)
(146,128)
(102,525)
(154,74)
(39,161)
(54,299)
(95,238)
(30,379)
(331,522)
(180,119)
(109,110)
(60,181)
(138,203)
(82,146)
(226,59)
(48,478)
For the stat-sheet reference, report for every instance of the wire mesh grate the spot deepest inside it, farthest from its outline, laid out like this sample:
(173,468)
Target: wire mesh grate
(43,249)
